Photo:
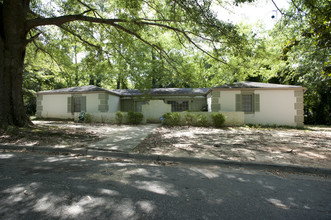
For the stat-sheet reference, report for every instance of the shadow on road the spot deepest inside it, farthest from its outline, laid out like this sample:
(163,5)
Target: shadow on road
(53,187)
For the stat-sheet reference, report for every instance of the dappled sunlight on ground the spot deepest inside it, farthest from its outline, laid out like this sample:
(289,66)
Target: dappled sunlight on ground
(66,134)
(6,156)
(206,172)
(56,187)
(310,147)
(158,187)
(278,203)
(48,134)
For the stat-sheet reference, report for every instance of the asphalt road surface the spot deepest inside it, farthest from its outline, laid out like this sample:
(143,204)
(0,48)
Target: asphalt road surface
(35,186)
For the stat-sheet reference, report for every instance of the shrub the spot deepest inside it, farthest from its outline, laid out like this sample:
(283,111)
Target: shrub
(218,119)
(87,118)
(190,118)
(135,118)
(202,121)
(119,117)
(171,119)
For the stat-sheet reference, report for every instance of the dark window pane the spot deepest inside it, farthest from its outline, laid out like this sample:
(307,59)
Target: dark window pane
(247,103)
(179,106)
(77,104)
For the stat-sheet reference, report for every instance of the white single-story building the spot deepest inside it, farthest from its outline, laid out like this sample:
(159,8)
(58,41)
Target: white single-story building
(262,103)
(250,102)
(63,103)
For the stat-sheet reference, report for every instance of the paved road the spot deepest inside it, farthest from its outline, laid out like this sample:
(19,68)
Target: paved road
(59,187)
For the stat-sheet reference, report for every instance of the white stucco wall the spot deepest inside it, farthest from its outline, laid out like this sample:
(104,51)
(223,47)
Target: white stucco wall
(55,106)
(114,103)
(92,102)
(154,109)
(228,100)
(209,101)
(276,107)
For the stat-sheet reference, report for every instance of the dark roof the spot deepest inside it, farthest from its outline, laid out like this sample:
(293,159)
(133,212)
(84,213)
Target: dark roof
(131,92)
(89,88)
(246,84)
(178,91)
(126,92)
(168,91)
(161,91)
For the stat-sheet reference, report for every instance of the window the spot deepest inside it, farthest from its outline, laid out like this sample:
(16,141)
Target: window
(77,104)
(178,106)
(247,103)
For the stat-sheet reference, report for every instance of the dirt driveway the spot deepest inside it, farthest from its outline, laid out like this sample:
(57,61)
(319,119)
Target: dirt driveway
(67,134)
(309,147)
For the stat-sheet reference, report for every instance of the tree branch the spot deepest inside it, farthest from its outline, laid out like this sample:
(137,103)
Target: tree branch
(80,38)
(32,38)
(82,3)
(113,22)
(68,18)
(49,54)
(185,35)
(202,50)
(276,6)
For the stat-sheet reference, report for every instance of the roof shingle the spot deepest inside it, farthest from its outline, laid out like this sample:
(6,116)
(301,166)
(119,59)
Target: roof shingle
(168,91)
(247,84)
(131,92)
(89,88)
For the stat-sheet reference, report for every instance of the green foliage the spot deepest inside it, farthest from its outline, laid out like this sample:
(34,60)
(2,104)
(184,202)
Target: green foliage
(119,117)
(218,119)
(87,118)
(171,119)
(202,121)
(296,52)
(190,119)
(135,118)
(29,99)
(82,53)
(303,39)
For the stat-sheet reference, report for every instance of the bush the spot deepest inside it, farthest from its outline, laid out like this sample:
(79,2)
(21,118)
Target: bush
(135,118)
(171,119)
(119,117)
(87,118)
(202,121)
(190,118)
(218,119)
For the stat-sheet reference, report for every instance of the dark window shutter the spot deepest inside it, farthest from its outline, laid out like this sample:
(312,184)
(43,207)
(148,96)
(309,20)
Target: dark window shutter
(256,102)
(69,105)
(238,102)
(83,103)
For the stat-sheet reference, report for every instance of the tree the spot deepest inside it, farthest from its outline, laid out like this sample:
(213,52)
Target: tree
(23,22)
(304,39)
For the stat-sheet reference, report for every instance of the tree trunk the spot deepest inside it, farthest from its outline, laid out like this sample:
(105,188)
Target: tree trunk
(12,52)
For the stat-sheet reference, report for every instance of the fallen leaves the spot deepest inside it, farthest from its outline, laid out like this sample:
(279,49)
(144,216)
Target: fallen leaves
(276,145)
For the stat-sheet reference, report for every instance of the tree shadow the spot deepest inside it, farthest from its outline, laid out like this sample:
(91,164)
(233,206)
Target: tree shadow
(59,187)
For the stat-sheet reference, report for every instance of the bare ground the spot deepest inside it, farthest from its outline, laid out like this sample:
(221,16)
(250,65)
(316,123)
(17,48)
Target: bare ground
(52,133)
(309,147)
